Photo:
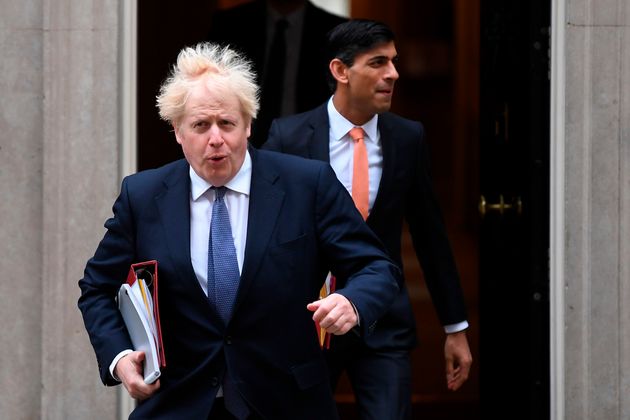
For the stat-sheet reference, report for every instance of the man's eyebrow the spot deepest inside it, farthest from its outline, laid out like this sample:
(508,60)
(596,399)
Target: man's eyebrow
(378,58)
(383,58)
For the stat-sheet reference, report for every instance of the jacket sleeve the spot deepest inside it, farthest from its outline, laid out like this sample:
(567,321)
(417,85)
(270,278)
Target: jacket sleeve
(431,243)
(103,275)
(364,272)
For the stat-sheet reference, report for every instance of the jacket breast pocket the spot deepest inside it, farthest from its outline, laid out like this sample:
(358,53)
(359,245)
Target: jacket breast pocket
(290,246)
(286,257)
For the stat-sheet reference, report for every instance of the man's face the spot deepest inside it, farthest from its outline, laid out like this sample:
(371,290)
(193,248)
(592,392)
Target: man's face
(371,79)
(213,133)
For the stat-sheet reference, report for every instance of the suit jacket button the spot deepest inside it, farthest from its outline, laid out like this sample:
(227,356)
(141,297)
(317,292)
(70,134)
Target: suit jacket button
(228,340)
(214,381)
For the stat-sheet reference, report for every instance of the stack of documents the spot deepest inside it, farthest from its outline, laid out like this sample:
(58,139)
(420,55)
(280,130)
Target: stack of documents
(138,304)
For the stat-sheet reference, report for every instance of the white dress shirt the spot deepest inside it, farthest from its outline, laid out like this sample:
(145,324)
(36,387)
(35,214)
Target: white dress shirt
(341,148)
(201,202)
(342,157)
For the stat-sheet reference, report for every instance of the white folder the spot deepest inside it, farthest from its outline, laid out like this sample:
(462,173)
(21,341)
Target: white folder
(142,336)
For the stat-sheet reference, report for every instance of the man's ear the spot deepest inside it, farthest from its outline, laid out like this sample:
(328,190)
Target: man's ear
(338,70)
(176,131)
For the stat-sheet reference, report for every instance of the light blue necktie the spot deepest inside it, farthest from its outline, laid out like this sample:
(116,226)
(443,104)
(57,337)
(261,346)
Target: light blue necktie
(223,274)
(223,279)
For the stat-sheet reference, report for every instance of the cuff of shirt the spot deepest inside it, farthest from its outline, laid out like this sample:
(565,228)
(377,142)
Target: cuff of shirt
(453,328)
(112,366)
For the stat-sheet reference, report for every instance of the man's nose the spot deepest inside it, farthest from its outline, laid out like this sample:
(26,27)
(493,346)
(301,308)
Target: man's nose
(214,136)
(392,73)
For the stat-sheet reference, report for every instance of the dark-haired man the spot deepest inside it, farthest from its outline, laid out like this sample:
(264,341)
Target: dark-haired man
(363,74)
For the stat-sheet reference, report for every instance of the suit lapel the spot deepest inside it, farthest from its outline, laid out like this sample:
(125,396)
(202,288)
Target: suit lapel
(389,159)
(318,143)
(265,201)
(173,205)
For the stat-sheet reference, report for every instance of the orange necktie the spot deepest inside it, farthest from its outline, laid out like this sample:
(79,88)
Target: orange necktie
(360,195)
(360,175)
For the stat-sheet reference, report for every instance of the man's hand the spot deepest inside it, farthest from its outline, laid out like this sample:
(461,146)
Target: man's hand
(458,360)
(335,313)
(129,370)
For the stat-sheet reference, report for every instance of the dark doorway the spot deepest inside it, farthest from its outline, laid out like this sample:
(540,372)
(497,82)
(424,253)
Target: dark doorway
(162,32)
(514,179)
(461,62)
(438,46)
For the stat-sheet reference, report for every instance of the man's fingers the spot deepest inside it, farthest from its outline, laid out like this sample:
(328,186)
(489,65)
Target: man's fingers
(458,359)
(130,371)
(143,391)
(334,313)
(323,314)
(319,309)
(333,322)
(456,375)
(457,380)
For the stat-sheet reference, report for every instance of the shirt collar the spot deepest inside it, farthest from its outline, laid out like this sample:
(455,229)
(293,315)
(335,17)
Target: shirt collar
(340,126)
(241,182)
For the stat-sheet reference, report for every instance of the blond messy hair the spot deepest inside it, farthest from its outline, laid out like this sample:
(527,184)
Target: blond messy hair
(195,65)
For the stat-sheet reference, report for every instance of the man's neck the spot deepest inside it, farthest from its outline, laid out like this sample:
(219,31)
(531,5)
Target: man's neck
(345,108)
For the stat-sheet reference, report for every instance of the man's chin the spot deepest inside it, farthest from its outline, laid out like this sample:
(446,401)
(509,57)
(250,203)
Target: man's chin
(383,107)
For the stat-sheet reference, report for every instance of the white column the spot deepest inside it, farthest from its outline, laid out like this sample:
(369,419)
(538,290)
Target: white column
(557,209)
(21,181)
(592,284)
(80,178)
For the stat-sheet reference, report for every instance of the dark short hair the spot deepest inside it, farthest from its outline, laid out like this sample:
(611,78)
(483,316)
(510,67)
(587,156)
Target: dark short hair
(356,36)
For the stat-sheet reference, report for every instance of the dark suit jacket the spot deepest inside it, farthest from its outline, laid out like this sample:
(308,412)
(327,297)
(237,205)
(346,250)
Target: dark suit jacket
(244,28)
(405,193)
(301,221)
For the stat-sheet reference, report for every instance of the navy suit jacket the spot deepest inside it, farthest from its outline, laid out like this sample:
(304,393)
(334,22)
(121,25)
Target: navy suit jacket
(301,221)
(405,193)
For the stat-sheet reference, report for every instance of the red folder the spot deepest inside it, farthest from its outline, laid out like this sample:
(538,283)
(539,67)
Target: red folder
(148,271)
